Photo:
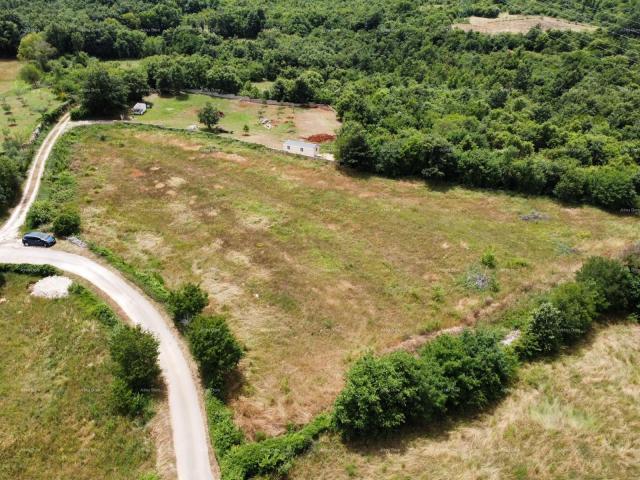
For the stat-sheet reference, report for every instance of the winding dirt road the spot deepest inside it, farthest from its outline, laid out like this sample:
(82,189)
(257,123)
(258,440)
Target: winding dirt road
(188,422)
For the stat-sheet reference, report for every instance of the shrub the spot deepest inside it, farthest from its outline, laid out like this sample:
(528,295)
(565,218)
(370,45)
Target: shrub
(224,433)
(9,182)
(489,259)
(187,302)
(612,188)
(40,213)
(352,147)
(28,269)
(67,223)
(572,186)
(273,455)
(126,402)
(543,333)
(612,281)
(578,306)
(382,394)
(30,74)
(214,347)
(476,369)
(135,353)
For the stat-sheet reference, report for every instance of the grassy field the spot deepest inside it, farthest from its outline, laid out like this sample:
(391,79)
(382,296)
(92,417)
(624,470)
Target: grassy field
(315,265)
(55,420)
(572,418)
(26,104)
(287,122)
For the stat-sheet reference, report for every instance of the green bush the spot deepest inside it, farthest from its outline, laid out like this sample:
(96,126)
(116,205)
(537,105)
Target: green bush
(214,348)
(40,213)
(578,306)
(104,314)
(224,432)
(384,393)
(135,353)
(543,334)
(9,182)
(67,223)
(476,369)
(126,402)
(489,259)
(29,269)
(273,455)
(611,280)
(187,302)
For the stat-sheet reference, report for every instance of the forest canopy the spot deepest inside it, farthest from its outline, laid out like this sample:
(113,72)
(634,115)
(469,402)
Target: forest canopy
(554,113)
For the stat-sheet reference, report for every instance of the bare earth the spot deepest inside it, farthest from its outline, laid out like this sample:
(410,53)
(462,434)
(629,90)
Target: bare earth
(507,23)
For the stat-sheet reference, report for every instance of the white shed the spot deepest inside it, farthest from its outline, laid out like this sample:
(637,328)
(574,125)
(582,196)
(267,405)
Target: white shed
(139,108)
(301,148)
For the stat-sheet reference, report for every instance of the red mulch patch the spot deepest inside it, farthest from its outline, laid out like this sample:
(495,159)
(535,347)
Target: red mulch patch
(320,138)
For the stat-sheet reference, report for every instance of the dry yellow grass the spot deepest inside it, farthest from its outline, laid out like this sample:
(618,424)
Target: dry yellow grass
(573,418)
(315,265)
(506,23)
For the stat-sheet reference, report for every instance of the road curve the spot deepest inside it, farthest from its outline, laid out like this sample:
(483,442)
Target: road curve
(188,422)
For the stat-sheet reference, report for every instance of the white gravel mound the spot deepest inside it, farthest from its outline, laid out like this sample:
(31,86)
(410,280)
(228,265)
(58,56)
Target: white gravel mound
(52,287)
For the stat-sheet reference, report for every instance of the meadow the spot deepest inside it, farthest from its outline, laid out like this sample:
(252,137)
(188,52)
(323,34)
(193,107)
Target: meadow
(286,122)
(315,265)
(55,376)
(569,417)
(25,104)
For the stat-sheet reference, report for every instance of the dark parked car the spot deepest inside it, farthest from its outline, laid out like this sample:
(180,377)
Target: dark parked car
(38,239)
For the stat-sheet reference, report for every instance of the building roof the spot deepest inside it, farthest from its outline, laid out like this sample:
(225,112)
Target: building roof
(300,143)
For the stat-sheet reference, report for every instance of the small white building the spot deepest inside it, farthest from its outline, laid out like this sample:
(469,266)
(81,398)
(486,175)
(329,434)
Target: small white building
(139,108)
(300,147)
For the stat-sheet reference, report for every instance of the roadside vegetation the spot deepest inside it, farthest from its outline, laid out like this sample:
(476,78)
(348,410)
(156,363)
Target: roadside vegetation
(58,417)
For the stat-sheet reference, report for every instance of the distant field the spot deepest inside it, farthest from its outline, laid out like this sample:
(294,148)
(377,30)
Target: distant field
(506,23)
(572,418)
(26,104)
(314,265)
(55,421)
(287,122)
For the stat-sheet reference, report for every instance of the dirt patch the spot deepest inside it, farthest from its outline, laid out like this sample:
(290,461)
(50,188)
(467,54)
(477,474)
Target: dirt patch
(320,138)
(230,156)
(414,343)
(176,182)
(135,173)
(52,287)
(506,23)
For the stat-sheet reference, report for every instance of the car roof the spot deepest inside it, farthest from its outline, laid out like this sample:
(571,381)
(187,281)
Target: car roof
(40,235)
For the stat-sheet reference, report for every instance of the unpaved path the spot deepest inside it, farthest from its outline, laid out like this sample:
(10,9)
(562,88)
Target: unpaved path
(188,422)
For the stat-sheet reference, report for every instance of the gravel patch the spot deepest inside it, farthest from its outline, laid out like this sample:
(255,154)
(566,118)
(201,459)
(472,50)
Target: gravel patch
(52,287)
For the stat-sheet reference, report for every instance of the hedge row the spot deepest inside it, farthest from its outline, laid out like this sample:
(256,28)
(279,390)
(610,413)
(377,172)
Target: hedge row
(29,269)
(455,374)
(273,455)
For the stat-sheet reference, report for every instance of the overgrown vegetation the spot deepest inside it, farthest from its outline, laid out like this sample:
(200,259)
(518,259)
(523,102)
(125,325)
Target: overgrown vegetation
(469,372)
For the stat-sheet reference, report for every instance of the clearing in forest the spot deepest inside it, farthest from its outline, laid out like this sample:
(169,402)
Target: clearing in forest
(269,125)
(507,23)
(315,265)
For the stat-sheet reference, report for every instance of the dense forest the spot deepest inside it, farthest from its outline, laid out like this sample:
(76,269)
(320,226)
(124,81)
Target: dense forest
(553,113)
